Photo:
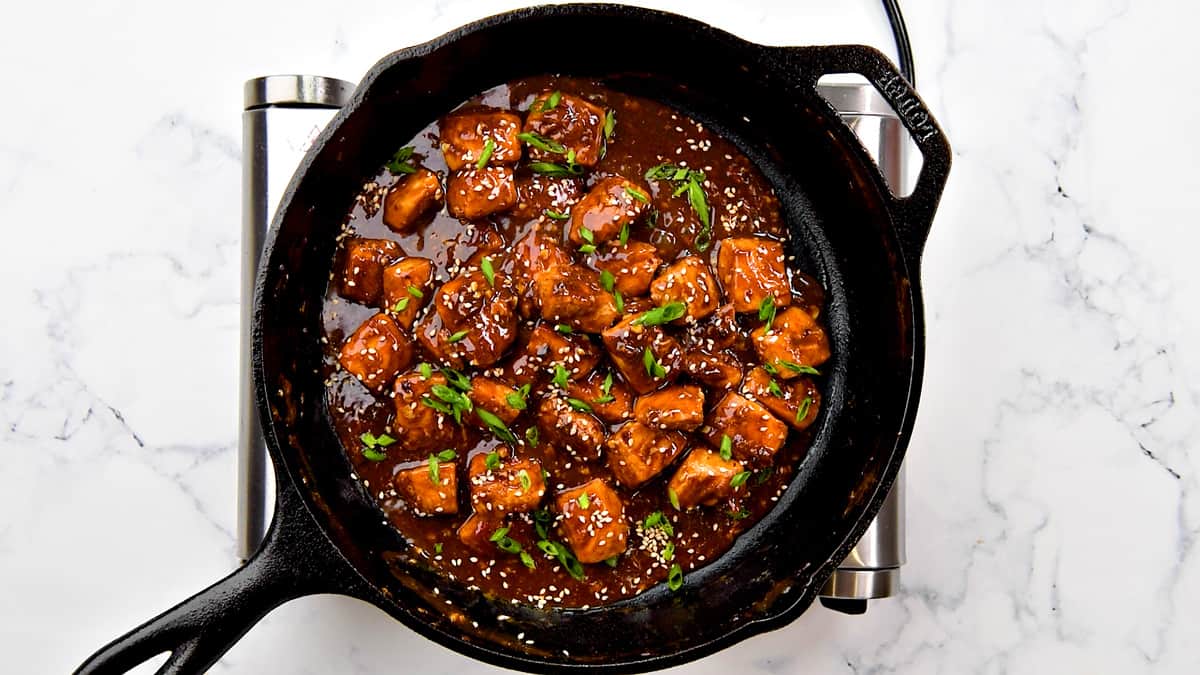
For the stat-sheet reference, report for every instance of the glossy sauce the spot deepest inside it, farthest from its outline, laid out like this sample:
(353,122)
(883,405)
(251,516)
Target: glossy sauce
(647,134)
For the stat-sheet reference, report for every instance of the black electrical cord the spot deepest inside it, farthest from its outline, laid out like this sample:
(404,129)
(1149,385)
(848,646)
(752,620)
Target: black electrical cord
(900,31)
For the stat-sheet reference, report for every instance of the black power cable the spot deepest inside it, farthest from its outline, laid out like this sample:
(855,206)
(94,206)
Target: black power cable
(900,31)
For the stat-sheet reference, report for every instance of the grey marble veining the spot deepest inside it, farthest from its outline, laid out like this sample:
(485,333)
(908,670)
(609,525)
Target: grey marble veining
(1053,503)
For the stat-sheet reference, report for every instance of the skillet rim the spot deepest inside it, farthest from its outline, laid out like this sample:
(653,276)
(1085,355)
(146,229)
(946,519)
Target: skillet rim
(778,616)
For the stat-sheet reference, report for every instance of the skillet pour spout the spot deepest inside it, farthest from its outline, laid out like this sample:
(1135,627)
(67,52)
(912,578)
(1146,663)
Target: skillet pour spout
(862,243)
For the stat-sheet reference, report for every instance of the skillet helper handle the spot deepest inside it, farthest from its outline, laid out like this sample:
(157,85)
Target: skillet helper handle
(295,560)
(914,212)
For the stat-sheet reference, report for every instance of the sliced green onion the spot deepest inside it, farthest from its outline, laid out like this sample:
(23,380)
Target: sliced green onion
(496,425)
(488,148)
(455,337)
(660,315)
(739,479)
(766,312)
(579,405)
(802,412)
(774,388)
(516,401)
(699,202)
(653,367)
(726,447)
(508,545)
(551,101)
(675,578)
(401,162)
(457,379)
(489,272)
(797,368)
(607,280)
(541,142)
(560,376)
(541,519)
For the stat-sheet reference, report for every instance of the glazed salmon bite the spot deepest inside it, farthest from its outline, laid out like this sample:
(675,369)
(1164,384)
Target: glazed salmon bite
(563,356)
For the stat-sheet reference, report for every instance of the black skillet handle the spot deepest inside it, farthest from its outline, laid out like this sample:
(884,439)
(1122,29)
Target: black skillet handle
(914,213)
(295,559)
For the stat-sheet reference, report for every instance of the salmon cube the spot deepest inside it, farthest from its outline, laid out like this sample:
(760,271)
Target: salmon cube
(399,279)
(362,268)
(636,453)
(573,122)
(628,344)
(534,253)
(463,135)
(571,294)
(679,407)
(475,193)
(547,349)
(703,479)
(796,402)
(429,492)
(493,396)
(593,521)
(569,429)
(434,337)
(478,320)
(608,396)
(720,330)
(794,343)
(376,352)
(632,266)
(410,198)
(505,485)
(687,280)
(751,270)
(610,205)
(756,435)
(719,371)
(418,426)
(477,530)
(537,194)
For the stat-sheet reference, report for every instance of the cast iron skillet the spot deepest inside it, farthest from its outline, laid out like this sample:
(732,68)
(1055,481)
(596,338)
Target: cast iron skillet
(863,243)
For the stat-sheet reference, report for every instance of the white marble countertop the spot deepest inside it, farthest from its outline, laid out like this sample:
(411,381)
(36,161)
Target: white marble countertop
(1053,509)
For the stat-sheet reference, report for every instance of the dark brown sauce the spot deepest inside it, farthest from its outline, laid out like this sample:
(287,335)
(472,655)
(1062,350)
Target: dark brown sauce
(647,134)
